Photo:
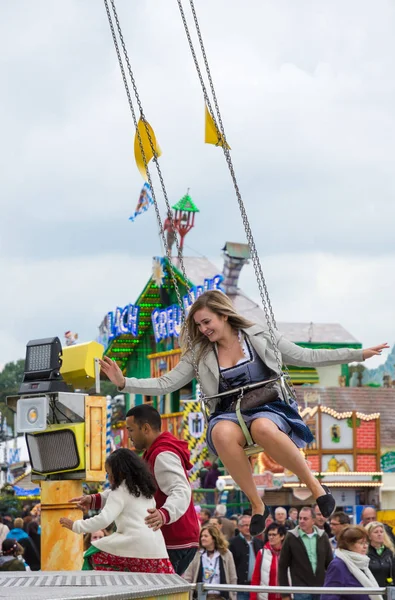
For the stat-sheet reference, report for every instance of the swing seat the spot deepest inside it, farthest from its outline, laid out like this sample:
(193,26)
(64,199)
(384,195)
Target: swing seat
(254,449)
(251,448)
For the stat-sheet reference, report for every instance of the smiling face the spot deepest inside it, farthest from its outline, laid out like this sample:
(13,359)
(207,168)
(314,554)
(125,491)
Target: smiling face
(214,327)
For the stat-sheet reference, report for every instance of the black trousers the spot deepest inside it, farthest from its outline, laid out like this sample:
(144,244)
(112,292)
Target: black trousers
(180,559)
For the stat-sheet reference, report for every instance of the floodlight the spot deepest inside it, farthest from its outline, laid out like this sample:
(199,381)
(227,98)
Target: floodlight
(31,414)
(42,367)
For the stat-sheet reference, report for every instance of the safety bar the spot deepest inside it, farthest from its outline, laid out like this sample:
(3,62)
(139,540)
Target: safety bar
(244,388)
(203,588)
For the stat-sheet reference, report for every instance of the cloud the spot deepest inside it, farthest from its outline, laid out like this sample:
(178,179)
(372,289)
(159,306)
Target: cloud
(307,94)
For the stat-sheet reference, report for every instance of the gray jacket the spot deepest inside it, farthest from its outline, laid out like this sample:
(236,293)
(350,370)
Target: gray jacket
(290,354)
(192,572)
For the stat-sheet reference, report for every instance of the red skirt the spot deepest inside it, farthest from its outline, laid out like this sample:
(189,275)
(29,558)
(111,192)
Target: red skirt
(102,561)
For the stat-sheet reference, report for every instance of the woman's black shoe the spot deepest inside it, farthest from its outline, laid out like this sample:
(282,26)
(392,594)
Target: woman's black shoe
(257,525)
(326,503)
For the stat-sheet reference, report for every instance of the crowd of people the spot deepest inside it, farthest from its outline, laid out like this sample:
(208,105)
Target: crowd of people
(301,549)
(20,539)
(147,516)
(147,522)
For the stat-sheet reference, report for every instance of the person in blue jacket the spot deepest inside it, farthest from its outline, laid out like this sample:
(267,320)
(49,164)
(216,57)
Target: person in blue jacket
(350,567)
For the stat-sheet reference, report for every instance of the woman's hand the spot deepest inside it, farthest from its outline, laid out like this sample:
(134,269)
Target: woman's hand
(67,523)
(374,351)
(113,372)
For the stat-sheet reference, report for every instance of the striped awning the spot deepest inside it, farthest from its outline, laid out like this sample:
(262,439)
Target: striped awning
(301,375)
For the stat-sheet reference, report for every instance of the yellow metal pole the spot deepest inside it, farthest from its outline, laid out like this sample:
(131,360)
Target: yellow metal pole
(61,549)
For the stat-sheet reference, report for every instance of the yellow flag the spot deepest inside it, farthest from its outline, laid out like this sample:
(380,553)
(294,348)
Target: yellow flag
(142,127)
(212,134)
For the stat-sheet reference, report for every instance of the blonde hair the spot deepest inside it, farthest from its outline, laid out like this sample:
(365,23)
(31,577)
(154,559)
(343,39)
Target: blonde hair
(221,305)
(18,523)
(387,540)
(220,542)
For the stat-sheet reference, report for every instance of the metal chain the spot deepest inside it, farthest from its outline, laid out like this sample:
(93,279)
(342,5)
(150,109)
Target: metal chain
(229,160)
(249,234)
(267,306)
(155,159)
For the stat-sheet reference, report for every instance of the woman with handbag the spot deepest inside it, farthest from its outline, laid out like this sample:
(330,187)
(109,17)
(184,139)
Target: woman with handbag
(381,554)
(213,563)
(231,352)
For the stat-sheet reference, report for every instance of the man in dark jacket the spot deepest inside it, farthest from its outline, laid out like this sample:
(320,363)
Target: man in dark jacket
(306,552)
(244,549)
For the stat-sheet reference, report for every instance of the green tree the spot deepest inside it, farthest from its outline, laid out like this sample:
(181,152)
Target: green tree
(107,388)
(10,380)
(359,369)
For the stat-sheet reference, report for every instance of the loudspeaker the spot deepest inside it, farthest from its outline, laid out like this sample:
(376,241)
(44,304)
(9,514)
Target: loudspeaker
(58,449)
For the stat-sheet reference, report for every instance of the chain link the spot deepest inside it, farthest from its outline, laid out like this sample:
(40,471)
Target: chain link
(264,294)
(156,162)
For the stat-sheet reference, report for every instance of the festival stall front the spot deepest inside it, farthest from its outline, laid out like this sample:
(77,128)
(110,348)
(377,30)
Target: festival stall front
(345,454)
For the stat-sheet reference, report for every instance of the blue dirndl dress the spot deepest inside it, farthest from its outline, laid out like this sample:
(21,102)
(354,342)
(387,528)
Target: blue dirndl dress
(285,416)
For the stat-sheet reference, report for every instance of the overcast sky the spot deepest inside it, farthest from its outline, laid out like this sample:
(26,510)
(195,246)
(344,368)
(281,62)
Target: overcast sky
(307,93)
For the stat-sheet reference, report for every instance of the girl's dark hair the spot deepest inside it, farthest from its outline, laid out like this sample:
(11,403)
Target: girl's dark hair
(10,547)
(126,466)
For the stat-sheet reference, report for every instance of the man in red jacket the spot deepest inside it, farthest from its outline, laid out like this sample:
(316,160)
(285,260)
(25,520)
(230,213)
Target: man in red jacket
(168,458)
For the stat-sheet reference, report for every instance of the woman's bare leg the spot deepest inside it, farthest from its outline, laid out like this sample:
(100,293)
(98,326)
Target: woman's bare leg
(282,449)
(229,442)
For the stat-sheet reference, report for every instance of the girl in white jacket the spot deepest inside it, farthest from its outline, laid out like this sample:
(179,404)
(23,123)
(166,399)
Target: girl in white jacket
(133,546)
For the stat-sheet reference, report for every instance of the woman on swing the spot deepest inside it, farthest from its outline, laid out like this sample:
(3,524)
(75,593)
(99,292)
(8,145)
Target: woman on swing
(232,352)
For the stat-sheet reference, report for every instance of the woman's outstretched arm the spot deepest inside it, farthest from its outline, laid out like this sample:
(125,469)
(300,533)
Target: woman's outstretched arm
(293,354)
(175,379)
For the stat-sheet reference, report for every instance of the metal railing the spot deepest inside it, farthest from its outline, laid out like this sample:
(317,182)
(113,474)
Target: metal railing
(202,589)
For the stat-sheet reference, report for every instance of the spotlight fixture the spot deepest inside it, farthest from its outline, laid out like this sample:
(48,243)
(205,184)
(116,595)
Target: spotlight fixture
(31,414)
(42,367)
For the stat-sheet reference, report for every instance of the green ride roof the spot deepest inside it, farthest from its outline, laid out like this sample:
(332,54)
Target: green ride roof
(186,204)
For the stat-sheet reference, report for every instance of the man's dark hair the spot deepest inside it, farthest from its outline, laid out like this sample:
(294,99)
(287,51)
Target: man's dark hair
(279,528)
(206,511)
(145,413)
(342,517)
